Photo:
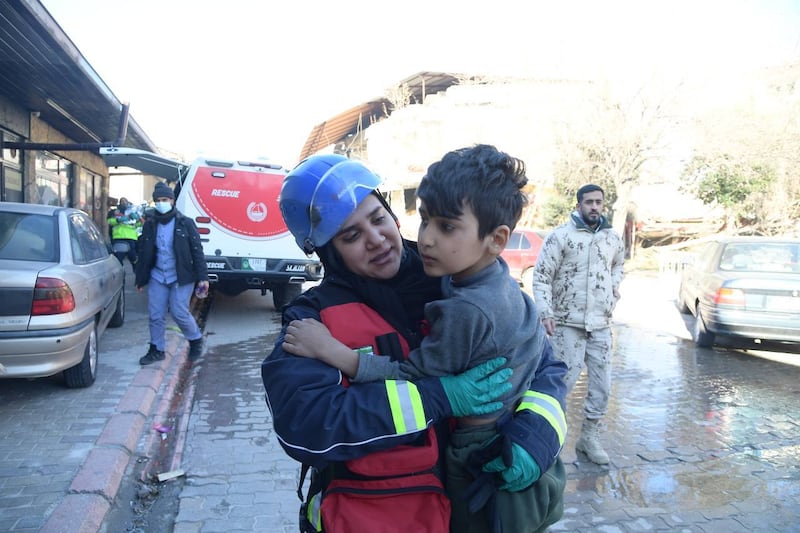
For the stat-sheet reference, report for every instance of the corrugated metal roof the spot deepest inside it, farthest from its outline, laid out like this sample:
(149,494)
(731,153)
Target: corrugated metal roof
(355,119)
(340,126)
(42,70)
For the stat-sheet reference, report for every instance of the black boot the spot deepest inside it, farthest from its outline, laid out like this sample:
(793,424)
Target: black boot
(195,349)
(152,356)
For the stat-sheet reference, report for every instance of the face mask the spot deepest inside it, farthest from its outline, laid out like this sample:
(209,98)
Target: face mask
(163,207)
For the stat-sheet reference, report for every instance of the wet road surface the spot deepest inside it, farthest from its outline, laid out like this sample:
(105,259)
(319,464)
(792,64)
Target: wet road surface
(700,440)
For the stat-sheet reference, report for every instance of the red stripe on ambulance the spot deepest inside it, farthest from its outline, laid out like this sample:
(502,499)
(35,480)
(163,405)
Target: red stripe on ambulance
(255,214)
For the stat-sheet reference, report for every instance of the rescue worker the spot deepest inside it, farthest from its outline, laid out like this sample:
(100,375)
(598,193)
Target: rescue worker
(383,438)
(124,223)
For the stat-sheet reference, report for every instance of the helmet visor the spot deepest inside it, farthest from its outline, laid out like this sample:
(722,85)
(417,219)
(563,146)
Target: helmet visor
(336,197)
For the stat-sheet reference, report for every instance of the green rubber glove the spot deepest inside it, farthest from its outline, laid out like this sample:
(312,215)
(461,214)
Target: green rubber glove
(522,473)
(474,392)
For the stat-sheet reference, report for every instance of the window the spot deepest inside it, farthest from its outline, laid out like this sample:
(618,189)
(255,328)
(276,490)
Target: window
(10,171)
(87,185)
(410,200)
(88,245)
(52,179)
(707,256)
(518,241)
(760,257)
(26,237)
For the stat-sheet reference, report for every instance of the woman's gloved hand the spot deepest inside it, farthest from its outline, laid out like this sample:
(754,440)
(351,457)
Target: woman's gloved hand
(474,392)
(520,474)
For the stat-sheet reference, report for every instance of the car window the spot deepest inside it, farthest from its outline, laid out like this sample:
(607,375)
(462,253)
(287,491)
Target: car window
(524,243)
(513,241)
(707,256)
(760,257)
(28,237)
(88,239)
(78,257)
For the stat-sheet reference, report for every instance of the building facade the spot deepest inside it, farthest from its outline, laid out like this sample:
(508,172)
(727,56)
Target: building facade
(55,112)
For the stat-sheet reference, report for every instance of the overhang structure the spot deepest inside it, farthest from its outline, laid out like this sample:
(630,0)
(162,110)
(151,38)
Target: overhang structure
(339,127)
(43,71)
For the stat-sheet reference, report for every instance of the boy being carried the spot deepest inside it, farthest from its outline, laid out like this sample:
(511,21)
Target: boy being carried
(470,202)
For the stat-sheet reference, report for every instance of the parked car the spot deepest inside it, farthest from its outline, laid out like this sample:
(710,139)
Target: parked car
(60,287)
(746,287)
(521,254)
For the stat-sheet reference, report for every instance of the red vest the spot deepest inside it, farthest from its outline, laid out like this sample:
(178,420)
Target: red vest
(396,490)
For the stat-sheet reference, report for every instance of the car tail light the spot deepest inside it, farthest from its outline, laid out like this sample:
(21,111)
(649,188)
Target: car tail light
(52,296)
(726,296)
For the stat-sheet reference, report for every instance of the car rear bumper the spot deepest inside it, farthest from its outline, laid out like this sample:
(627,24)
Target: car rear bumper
(766,326)
(35,354)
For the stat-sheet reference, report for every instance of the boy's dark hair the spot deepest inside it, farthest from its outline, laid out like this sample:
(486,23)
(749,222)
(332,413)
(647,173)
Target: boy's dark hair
(481,176)
(589,187)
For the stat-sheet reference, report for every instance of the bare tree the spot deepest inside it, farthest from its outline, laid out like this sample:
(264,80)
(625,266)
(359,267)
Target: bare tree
(612,145)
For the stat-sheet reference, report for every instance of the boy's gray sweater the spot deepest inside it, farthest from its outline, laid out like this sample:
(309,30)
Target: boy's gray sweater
(482,317)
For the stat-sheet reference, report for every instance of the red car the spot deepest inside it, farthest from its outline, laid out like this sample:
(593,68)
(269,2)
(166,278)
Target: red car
(521,254)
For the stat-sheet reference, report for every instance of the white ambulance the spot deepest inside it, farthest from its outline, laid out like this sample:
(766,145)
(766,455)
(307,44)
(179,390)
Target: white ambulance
(235,206)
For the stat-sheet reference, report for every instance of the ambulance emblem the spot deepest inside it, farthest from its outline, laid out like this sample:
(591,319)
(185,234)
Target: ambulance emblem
(257,211)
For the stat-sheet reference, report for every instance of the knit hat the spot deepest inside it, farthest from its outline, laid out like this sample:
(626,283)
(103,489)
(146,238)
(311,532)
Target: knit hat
(162,190)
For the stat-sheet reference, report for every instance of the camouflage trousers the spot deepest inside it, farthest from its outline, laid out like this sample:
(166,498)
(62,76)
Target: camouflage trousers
(578,349)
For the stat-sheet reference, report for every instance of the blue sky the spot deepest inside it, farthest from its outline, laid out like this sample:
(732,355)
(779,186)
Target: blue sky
(250,78)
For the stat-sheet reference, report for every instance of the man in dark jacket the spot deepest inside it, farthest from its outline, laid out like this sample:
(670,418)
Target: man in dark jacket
(171,263)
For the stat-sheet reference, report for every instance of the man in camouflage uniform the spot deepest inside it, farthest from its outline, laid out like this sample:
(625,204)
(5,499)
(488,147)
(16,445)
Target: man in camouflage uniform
(576,287)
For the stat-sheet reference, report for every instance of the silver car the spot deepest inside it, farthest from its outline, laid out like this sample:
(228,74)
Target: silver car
(60,288)
(746,287)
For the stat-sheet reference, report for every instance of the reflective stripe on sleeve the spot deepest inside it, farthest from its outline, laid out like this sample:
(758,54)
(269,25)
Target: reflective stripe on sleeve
(548,408)
(313,512)
(406,405)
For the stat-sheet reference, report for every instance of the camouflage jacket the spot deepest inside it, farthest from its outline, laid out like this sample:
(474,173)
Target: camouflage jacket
(577,272)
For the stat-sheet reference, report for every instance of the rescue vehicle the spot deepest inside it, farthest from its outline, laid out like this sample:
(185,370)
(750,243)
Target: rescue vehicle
(235,206)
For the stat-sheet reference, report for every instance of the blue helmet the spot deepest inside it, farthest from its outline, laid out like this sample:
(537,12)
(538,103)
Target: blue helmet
(320,193)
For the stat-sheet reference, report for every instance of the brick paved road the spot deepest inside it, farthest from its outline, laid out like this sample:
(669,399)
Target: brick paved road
(238,478)
(64,452)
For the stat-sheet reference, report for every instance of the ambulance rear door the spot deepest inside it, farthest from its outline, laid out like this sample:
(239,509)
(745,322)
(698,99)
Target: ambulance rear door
(246,242)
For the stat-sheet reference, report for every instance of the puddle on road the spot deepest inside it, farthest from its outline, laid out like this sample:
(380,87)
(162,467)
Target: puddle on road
(682,486)
(230,395)
(692,429)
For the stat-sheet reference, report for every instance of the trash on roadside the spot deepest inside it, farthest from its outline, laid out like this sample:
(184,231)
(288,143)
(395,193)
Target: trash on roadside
(166,476)
(162,428)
